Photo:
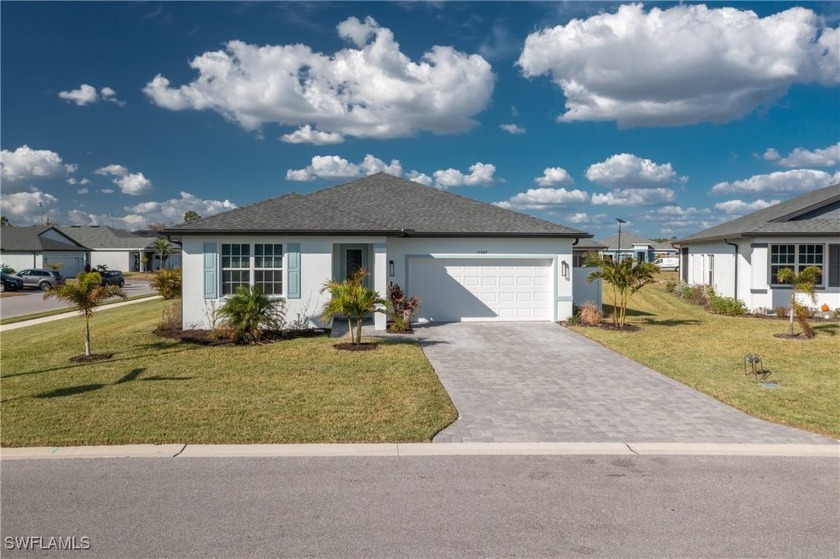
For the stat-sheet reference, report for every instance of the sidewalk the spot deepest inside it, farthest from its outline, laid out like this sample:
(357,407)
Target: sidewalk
(45,319)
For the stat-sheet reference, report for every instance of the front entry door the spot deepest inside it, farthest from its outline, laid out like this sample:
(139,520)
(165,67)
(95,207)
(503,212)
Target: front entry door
(354,257)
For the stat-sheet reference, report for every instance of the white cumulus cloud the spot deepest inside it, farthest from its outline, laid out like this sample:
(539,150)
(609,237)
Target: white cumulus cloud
(801,157)
(739,207)
(795,180)
(335,167)
(140,216)
(26,163)
(629,171)
(635,197)
(512,129)
(25,204)
(133,184)
(113,169)
(481,174)
(86,94)
(554,176)
(420,178)
(372,91)
(681,65)
(545,198)
(307,135)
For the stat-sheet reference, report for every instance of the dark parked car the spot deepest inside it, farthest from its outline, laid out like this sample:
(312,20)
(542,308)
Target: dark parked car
(41,278)
(10,283)
(112,277)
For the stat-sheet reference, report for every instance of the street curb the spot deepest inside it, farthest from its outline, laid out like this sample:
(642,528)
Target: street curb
(45,319)
(420,449)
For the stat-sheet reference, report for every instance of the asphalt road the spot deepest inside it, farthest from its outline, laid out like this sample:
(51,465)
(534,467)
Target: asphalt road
(31,301)
(536,506)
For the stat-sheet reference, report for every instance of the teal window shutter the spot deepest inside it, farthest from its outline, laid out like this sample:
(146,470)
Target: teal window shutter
(211,273)
(293,271)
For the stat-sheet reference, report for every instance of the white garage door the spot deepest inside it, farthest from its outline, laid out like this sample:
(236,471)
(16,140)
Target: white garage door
(472,289)
(70,265)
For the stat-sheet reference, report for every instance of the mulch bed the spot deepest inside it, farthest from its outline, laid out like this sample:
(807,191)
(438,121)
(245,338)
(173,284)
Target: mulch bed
(206,337)
(347,346)
(608,326)
(92,358)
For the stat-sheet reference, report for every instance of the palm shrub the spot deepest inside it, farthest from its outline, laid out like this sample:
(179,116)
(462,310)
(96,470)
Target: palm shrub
(85,294)
(164,248)
(167,283)
(351,298)
(402,308)
(249,313)
(624,277)
(801,283)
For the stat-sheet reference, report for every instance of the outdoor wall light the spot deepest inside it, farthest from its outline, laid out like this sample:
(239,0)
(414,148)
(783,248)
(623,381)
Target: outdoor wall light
(391,268)
(565,269)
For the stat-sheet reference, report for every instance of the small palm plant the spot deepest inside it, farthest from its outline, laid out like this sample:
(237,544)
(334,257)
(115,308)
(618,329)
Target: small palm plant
(352,299)
(249,313)
(167,283)
(85,295)
(164,249)
(803,283)
(625,278)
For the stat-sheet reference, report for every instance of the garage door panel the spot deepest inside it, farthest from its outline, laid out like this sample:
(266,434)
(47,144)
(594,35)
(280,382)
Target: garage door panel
(488,289)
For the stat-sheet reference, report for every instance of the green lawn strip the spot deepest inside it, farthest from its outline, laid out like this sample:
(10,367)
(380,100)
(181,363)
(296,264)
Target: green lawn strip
(54,312)
(706,352)
(156,390)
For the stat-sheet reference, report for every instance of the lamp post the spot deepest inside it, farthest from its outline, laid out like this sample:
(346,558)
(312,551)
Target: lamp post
(620,221)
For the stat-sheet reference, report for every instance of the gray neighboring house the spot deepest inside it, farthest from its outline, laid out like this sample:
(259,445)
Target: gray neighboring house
(464,259)
(741,258)
(643,250)
(37,246)
(119,249)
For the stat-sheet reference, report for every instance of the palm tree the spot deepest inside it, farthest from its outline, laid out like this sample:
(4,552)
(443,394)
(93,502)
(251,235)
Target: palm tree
(250,312)
(353,299)
(85,294)
(164,248)
(625,277)
(804,283)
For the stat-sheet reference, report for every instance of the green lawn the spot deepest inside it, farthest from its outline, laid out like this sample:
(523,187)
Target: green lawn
(706,352)
(156,390)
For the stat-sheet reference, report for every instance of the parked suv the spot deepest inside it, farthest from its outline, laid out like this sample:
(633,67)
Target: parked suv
(41,278)
(112,277)
(10,283)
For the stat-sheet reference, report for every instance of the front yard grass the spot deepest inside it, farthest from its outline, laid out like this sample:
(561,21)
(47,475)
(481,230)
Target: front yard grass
(157,390)
(706,352)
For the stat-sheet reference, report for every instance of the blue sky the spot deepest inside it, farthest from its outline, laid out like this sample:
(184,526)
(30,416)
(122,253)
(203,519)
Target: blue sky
(673,117)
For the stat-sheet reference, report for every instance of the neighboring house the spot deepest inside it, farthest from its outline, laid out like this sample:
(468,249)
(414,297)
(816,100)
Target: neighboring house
(464,259)
(584,247)
(118,249)
(38,246)
(643,250)
(742,258)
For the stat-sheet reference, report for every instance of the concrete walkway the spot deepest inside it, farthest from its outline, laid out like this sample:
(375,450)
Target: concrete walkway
(45,319)
(540,382)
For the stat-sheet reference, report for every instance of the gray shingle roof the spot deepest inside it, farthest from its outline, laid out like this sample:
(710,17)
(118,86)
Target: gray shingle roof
(628,239)
(778,219)
(378,204)
(590,244)
(27,239)
(102,237)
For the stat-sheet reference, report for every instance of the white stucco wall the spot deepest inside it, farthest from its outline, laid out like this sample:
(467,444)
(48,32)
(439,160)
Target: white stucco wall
(754,272)
(115,259)
(21,260)
(319,263)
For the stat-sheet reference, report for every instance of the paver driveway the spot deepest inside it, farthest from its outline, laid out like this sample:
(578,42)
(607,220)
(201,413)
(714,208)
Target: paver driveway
(540,382)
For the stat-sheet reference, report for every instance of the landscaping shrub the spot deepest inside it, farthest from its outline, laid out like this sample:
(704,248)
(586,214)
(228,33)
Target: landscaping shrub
(248,314)
(167,283)
(589,314)
(402,308)
(782,311)
(6,269)
(728,306)
(671,285)
(352,299)
(697,295)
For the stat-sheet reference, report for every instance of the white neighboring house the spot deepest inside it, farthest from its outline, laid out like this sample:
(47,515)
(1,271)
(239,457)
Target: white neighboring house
(742,258)
(37,246)
(465,260)
(119,249)
(639,248)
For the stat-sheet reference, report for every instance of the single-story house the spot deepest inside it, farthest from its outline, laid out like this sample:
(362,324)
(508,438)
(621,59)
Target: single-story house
(119,249)
(742,258)
(584,247)
(464,259)
(632,245)
(37,246)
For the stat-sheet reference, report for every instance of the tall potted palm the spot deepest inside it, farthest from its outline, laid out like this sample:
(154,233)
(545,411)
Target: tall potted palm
(352,299)
(85,294)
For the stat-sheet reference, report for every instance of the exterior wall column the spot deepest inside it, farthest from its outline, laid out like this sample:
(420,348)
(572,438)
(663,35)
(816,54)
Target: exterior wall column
(380,281)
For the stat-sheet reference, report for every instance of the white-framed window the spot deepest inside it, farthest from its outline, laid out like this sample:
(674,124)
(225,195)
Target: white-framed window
(268,268)
(236,267)
(796,257)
